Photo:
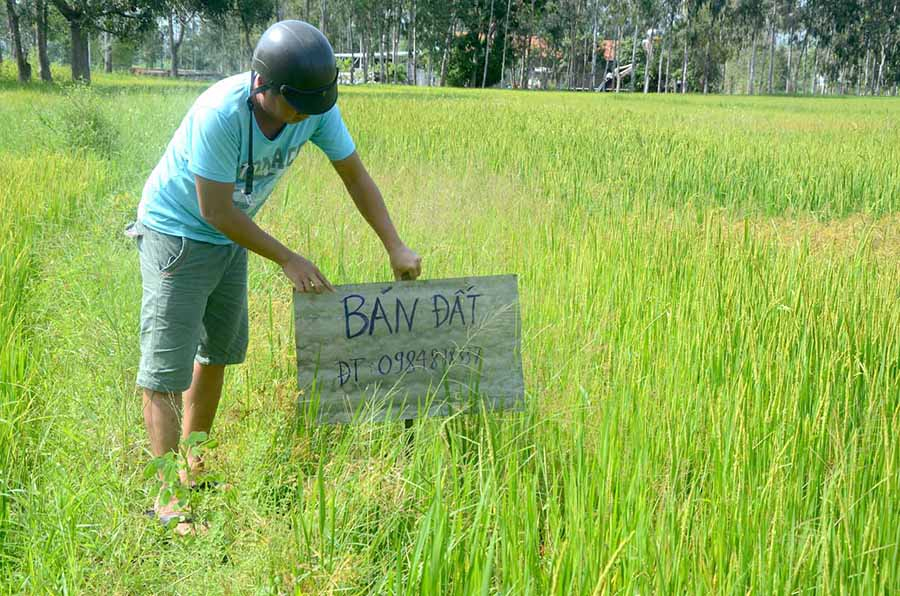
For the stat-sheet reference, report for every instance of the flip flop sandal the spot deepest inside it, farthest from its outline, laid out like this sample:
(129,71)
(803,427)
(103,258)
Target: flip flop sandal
(165,518)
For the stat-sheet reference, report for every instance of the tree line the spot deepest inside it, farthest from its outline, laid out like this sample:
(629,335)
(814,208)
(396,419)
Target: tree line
(722,46)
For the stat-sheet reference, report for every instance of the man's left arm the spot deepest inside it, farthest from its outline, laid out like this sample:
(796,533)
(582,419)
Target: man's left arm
(405,263)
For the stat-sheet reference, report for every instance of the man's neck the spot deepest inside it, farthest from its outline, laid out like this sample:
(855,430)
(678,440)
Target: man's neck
(269,126)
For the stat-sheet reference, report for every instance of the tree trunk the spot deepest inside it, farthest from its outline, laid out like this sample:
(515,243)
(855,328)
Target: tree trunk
(593,47)
(706,68)
(81,59)
(41,35)
(815,74)
(364,55)
(752,70)
(487,45)
(414,55)
(800,71)
(323,18)
(725,87)
(352,53)
(522,64)
(544,74)
(880,78)
(367,57)
(22,65)
(107,53)
(395,42)
(634,54)
(505,38)
(790,41)
(409,76)
(173,47)
(383,52)
(616,63)
(446,54)
(684,67)
(523,83)
(771,87)
(583,80)
(668,69)
(648,54)
(570,62)
(659,71)
(866,75)
(526,60)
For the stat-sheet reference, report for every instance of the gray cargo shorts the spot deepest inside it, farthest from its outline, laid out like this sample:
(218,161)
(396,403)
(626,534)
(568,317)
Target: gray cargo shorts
(194,307)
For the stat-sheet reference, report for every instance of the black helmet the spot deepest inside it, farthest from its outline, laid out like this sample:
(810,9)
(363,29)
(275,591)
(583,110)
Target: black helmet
(295,59)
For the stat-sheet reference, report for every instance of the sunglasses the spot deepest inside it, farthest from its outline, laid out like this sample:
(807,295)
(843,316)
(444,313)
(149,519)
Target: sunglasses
(292,92)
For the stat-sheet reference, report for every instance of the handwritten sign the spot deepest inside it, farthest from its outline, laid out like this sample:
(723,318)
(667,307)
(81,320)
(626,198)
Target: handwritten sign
(410,348)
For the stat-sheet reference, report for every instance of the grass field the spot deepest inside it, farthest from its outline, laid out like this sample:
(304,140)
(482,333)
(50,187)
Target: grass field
(710,293)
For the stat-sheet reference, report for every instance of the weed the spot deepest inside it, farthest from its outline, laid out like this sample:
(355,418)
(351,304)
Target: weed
(82,123)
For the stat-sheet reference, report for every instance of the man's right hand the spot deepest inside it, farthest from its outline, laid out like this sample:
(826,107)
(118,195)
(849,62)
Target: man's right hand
(305,276)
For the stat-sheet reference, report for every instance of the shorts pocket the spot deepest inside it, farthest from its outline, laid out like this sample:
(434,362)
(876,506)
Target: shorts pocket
(135,232)
(169,251)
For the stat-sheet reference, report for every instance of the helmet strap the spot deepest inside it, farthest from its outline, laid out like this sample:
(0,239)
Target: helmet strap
(248,177)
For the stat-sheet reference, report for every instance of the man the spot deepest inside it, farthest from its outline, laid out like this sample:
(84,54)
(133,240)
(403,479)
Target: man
(195,224)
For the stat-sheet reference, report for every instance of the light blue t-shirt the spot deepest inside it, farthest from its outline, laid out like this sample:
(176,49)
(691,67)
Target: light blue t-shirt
(212,142)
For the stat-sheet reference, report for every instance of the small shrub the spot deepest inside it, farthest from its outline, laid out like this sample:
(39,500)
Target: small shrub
(82,122)
(166,469)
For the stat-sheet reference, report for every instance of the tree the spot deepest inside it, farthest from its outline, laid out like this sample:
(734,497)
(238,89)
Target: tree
(252,14)
(118,17)
(41,28)
(470,61)
(22,65)
(183,12)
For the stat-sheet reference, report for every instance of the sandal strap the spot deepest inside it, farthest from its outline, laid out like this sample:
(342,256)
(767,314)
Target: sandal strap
(180,516)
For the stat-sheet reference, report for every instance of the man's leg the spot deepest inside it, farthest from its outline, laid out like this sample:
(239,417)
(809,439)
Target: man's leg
(200,404)
(162,412)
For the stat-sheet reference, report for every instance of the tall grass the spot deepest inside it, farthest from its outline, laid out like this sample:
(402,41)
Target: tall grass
(38,193)
(710,409)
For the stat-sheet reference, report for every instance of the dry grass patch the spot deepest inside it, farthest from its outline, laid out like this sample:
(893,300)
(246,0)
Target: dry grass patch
(857,234)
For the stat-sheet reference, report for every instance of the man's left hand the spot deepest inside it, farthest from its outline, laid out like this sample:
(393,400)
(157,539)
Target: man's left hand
(405,263)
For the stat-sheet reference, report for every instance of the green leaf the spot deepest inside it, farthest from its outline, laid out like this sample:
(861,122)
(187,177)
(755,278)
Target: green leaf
(150,469)
(170,474)
(195,438)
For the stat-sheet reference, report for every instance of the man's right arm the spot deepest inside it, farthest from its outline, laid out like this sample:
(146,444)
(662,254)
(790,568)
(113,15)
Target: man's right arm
(218,211)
